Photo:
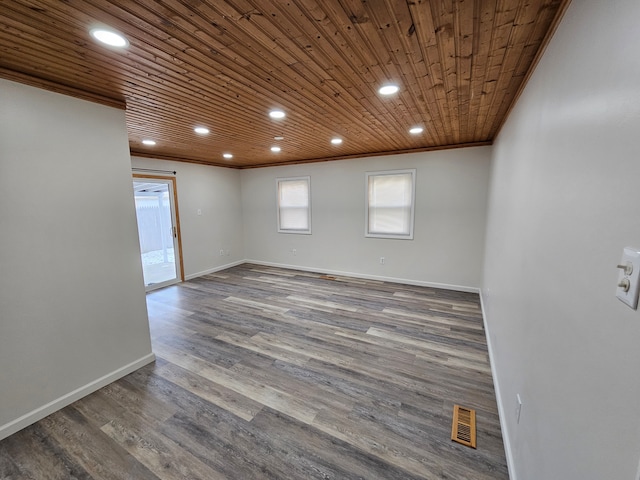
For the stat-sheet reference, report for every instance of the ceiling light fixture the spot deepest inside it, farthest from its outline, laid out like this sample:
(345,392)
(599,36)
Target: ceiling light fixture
(388,89)
(278,137)
(227,155)
(109,37)
(149,142)
(275,149)
(276,114)
(201,130)
(416,130)
(336,141)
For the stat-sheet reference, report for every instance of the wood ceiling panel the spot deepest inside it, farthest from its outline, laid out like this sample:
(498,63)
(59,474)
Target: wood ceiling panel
(460,65)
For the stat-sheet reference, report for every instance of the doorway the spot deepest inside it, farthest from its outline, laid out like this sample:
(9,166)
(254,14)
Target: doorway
(158,230)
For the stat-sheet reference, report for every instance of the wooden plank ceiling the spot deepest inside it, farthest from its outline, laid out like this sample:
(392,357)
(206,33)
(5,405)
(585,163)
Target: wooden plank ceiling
(225,64)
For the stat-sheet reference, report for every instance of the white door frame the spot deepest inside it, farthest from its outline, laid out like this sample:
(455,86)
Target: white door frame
(175,220)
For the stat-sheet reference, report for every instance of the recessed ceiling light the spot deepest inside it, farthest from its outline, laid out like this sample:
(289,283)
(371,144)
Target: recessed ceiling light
(149,142)
(336,141)
(109,37)
(275,149)
(227,155)
(388,89)
(279,137)
(201,130)
(276,114)
(416,130)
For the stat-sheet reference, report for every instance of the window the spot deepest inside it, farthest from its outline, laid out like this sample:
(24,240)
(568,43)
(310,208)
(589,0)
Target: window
(294,205)
(389,207)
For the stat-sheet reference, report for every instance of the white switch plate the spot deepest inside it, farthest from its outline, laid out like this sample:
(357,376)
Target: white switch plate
(630,297)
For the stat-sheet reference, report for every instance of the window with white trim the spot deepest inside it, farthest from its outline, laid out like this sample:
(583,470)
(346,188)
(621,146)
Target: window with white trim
(390,204)
(294,205)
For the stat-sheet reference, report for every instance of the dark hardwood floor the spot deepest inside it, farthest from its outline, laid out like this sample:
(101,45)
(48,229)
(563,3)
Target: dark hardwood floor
(266,373)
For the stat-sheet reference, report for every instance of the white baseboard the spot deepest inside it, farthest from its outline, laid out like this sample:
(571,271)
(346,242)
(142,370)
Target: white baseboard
(41,412)
(214,270)
(496,385)
(420,283)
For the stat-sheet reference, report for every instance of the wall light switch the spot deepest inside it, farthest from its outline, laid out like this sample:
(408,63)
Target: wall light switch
(629,277)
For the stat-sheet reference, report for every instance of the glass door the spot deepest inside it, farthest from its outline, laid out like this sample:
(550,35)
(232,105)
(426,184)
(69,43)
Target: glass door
(157,230)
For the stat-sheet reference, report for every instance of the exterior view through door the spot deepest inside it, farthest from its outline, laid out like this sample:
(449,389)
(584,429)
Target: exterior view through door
(158,230)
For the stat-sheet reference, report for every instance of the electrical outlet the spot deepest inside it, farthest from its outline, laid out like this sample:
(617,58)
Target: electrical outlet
(381,260)
(294,251)
(629,277)
(221,252)
(518,407)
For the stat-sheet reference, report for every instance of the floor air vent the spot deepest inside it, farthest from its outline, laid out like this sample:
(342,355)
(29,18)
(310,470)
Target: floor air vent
(463,429)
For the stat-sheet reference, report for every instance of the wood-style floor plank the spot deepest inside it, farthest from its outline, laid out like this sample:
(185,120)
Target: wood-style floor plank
(267,373)
(91,448)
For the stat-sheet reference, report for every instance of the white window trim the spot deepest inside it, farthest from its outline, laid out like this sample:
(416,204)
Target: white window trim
(408,236)
(289,230)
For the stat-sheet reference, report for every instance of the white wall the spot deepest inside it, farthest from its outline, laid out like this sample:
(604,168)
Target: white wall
(448,245)
(564,202)
(72,304)
(215,191)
